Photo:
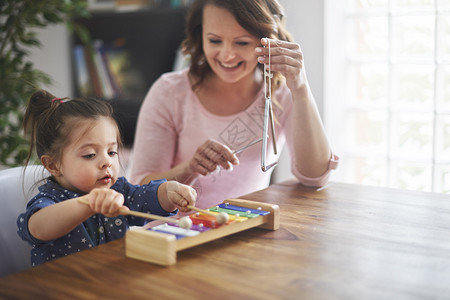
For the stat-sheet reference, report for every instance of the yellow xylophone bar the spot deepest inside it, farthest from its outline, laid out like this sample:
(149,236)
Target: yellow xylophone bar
(161,248)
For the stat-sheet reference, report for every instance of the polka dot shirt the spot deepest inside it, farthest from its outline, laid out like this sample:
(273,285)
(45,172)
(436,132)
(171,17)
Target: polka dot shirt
(96,230)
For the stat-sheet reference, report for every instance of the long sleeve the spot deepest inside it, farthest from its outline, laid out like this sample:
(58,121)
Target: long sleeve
(172,123)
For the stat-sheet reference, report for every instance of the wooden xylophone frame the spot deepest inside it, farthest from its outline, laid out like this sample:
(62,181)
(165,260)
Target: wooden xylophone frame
(161,248)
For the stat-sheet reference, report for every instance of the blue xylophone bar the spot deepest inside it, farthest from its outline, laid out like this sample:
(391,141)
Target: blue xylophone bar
(244,209)
(177,231)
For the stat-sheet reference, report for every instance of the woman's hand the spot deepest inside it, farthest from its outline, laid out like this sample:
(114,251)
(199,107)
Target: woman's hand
(106,202)
(311,149)
(209,156)
(286,58)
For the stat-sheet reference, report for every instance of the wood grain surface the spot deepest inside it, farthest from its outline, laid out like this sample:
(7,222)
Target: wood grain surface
(343,242)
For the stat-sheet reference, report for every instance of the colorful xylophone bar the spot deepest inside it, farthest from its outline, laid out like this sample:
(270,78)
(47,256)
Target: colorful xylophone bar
(160,244)
(202,222)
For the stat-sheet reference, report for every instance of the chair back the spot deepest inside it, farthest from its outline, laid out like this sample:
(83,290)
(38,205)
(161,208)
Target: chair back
(16,189)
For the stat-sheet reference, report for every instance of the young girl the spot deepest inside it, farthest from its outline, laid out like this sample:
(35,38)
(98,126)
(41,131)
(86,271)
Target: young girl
(77,141)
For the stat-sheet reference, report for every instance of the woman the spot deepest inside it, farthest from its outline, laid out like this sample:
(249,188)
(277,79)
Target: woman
(192,121)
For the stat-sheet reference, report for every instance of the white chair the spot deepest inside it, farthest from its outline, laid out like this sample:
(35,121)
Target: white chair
(15,192)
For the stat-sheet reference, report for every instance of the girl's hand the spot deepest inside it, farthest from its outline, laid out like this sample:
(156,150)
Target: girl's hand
(181,195)
(106,202)
(209,156)
(286,58)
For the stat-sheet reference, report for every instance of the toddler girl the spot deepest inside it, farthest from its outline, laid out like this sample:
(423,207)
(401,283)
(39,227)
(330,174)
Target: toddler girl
(77,141)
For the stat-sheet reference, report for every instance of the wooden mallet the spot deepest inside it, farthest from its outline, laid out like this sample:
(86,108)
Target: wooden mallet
(184,222)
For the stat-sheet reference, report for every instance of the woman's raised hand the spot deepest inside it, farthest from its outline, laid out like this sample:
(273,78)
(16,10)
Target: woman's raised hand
(286,58)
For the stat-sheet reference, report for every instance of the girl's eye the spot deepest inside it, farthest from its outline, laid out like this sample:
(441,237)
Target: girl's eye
(112,153)
(242,43)
(89,156)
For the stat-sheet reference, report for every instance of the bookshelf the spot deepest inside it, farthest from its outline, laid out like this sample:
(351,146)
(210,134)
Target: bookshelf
(148,38)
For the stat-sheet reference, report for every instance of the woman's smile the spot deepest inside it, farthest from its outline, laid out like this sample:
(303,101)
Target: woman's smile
(227,67)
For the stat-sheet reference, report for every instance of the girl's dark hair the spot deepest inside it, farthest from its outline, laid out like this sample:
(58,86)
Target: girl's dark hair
(49,121)
(261,18)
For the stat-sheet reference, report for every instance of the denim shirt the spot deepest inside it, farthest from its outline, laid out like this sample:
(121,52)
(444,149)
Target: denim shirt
(96,230)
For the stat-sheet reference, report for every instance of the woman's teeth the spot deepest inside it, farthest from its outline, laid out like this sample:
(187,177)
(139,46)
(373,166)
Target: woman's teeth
(229,66)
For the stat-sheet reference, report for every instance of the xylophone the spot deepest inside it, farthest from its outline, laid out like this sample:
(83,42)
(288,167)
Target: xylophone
(161,243)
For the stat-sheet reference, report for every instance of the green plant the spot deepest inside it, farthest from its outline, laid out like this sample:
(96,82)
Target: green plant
(19,20)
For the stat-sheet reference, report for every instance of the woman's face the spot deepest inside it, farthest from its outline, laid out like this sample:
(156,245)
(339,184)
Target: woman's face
(229,48)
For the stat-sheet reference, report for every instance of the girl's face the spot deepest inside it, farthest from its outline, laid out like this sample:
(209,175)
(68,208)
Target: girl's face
(229,48)
(90,160)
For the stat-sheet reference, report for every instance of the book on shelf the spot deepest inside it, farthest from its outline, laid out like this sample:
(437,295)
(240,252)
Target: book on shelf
(101,5)
(94,80)
(133,5)
(129,5)
(82,71)
(103,71)
(111,74)
(107,71)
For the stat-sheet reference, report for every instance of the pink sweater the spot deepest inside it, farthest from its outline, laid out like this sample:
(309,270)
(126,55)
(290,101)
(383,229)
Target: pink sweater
(172,124)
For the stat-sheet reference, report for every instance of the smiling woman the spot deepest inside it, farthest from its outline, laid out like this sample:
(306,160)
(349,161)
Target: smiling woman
(192,120)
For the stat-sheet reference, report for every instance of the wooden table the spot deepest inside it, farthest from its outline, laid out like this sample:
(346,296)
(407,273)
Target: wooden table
(343,242)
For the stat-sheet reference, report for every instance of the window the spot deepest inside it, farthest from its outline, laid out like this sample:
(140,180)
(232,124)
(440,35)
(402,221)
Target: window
(387,91)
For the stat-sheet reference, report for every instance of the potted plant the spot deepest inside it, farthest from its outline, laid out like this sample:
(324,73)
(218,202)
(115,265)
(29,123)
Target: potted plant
(18,77)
